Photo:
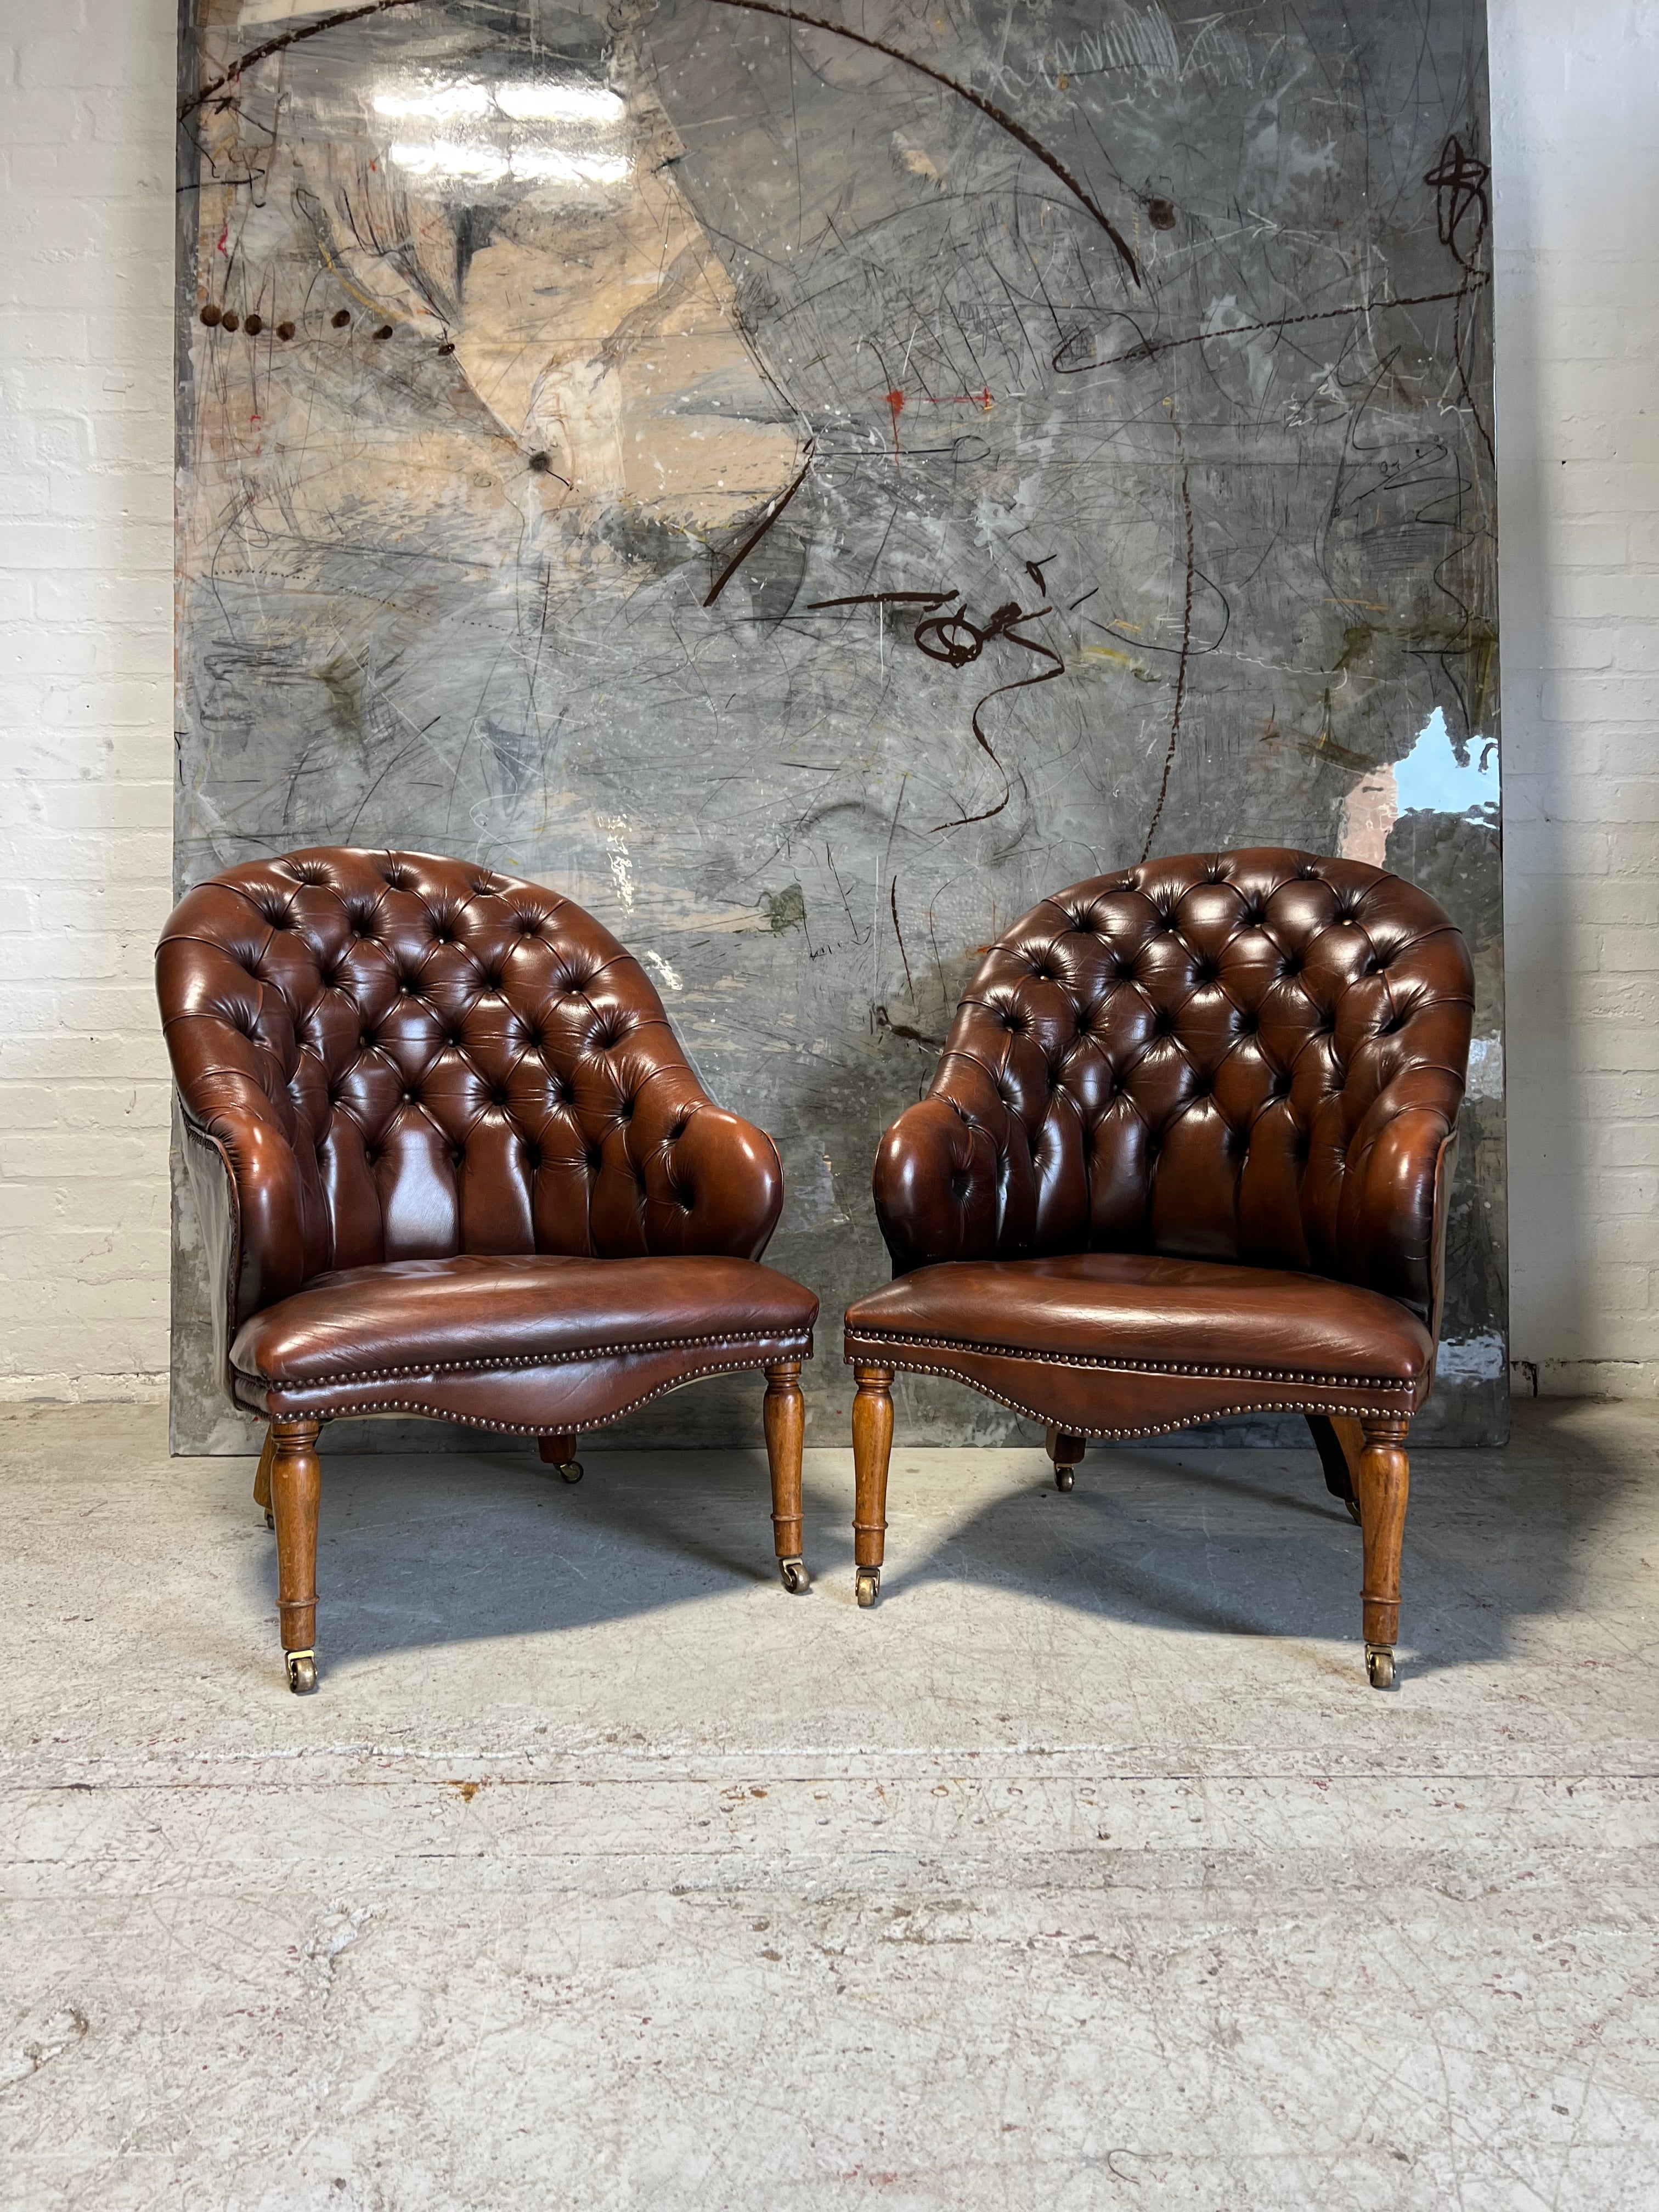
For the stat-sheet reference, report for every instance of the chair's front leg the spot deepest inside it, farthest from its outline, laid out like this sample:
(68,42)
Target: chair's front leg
(560,1453)
(872,1445)
(262,1476)
(1384,1482)
(785,1415)
(295,1492)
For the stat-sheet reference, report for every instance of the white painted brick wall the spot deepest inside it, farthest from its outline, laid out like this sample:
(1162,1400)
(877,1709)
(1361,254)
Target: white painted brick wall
(1576,125)
(86,674)
(86,257)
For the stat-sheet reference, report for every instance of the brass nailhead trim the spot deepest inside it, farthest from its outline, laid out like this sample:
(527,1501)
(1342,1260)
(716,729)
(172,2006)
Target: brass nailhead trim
(537,1428)
(872,1345)
(518,1359)
(1149,1429)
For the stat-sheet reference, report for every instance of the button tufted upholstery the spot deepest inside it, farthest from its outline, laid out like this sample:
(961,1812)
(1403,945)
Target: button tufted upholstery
(449,1156)
(1246,1063)
(1247,1056)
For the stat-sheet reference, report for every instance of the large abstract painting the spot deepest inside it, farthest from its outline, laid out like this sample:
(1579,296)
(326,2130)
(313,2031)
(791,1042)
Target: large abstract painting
(807,482)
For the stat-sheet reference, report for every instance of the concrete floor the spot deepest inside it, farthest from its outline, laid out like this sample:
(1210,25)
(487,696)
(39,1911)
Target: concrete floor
(1084,1871)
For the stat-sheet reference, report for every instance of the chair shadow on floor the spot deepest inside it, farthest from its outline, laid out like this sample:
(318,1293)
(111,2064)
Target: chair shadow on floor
(1248,1542)
(1230,1541)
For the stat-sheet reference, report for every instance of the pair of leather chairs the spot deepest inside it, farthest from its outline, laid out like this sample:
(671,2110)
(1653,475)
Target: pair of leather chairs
(1186,1154)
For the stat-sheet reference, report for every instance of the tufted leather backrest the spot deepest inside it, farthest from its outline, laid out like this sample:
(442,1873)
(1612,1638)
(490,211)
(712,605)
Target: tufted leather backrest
(406,1057)
(1252,1056)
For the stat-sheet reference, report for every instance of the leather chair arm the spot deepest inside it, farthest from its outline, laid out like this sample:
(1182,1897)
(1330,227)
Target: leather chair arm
(219,1224)
(730,1173)
(1396,1193)
(267,1197)
(935,1187)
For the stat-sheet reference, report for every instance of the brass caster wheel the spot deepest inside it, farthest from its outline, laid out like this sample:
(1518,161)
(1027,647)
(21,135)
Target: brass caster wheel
(869,1582)
(571,1471)
(1064,1478)
(796,1580)
(301,1673)
(1353,1505)
(1379,1665)
(271,1518)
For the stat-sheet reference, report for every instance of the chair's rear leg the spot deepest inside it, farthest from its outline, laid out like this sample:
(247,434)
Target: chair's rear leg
(1067,1452)
(295,1492)
(560,1452)
(872,1446)
(1384,1484)
(785,1415)
(1340,1440)
(1350,1436)
(262,1476)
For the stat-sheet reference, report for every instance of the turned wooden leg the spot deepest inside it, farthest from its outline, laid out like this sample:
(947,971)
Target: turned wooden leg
(560,1452)
(784,1411)
(872,1445)
(295,1489)
(262,1476)
(1384,1481)
(1067,1452)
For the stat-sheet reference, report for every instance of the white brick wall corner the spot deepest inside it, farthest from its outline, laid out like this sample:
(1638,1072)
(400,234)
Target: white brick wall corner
(86,673)
(1576,172)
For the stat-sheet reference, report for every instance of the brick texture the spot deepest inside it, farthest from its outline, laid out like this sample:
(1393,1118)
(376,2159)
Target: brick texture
(86,672)
(1576,162)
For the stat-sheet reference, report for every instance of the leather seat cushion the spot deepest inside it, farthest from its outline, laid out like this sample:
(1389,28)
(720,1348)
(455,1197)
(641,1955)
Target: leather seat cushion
(476,1311)
(1146,1312)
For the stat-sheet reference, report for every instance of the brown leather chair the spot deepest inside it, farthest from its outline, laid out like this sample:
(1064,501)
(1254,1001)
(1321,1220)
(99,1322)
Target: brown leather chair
(1187,1155)
(450,1159)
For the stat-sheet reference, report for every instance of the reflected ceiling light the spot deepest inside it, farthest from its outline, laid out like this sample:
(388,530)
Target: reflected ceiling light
(526,164)
(570,168)
(560,103)
(443,159)
(524,102)
(436,107)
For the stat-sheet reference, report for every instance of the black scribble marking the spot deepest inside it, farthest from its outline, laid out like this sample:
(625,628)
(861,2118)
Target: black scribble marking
(1460,187)
(1084,601)
(1034,570)
(234,74)
(846,903)
(1185,649)
(773,511)
(1193,652)
(1000,116)
(957,639)
(907,1030)
(909,979)
(1150,349)
(884,599)
(1459,183)
(1002,623)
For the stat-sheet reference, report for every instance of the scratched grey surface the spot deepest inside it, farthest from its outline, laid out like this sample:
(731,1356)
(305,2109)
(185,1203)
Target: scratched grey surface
(666,323)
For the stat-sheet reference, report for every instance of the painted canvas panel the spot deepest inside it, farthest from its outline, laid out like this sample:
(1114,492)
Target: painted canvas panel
(805,484)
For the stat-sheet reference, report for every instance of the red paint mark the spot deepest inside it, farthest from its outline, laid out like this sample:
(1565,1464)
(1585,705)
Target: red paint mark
(896,401)
(224,234)
(981,398)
